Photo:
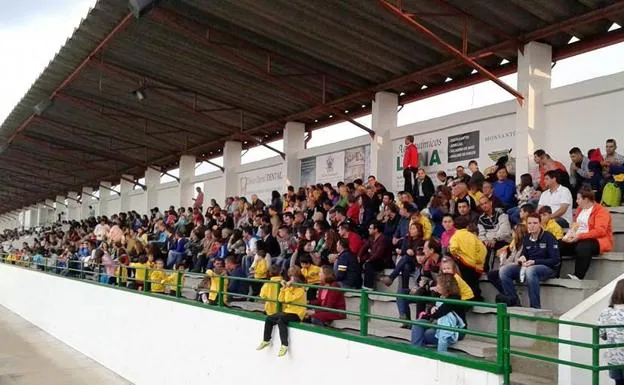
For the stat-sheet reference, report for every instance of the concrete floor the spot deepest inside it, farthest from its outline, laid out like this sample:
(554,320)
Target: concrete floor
(30,356)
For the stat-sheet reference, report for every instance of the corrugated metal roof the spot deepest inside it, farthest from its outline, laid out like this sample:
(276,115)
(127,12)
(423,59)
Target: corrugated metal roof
(212,70)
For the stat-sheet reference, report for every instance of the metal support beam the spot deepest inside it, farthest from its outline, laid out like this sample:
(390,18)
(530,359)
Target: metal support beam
(74,199)
(110,189)
(91,195)
(409,19)
(134,182)
(164,173)
(260,142)
(216,165)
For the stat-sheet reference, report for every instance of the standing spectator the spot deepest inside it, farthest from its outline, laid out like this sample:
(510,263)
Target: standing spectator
(410,163)
(591,234)
(469,252)
(477,177)
(461,175)
(504,188)
(614,315)
(198,201)
(558,197)
(355,242)
(423,189)
(540,261)
(375,255)
(346,266)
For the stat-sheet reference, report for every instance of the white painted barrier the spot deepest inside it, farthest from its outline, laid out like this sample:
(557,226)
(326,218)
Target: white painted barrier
(155,341)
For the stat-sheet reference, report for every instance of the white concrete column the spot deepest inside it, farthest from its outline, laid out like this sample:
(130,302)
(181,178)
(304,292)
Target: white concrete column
(73,209)
(104,196)
(152,180)
(384,118)
(125,188)
(534,70)
(294,142)
(231,163)
(60,207)
(187,176)
(87,200)
(42,214)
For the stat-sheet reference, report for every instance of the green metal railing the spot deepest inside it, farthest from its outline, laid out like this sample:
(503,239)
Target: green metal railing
(225,301)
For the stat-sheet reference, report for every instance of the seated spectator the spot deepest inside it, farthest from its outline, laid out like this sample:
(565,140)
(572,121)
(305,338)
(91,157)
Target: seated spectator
(540,261)
(463,209)
(209,288)
(508,255)
(311,274)
(449,230)
(270,290)
(423,189)
(294,301)
(559,199)
(461,175)
(488,191)
(591,234)
(442,314)
(422,220)
(613,162)
(460,193)
(157,277)
(525,210)
(580,172)
(469,252)
(355,242)
(402,228)
(525,194)
(505,188)
(494,229)
(327,298)
(391,220)
(546,163)
(346,266)
(448,266)
(474,190)
(549,224)
(236,286)
(375,255)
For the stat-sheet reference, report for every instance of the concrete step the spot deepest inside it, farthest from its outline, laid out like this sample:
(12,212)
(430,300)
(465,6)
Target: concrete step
(616,210)
(558,295)
(470,346)
(618,241)
(604,268)
(528,379)
(545,372)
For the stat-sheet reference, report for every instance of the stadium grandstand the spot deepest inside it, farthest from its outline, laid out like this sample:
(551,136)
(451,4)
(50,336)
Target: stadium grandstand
(484,246)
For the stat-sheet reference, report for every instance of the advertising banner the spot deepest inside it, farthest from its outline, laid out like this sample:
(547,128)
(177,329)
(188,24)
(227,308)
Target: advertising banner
(261,182)
(355,164)
(330,168)
(484,141)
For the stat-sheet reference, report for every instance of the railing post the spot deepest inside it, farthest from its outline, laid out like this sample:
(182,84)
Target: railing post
(146,279)
(595,355)
(503,342)
(81,269)
(179,285)
(220,294)
(364,313)
(278,307)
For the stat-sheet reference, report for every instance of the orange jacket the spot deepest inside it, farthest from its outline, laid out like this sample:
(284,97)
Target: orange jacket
(599,228)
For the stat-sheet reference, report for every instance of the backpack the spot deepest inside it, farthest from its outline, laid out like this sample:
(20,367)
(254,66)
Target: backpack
(611,195)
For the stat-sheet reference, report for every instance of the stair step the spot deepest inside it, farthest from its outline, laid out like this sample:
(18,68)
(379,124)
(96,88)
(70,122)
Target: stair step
(528,379)
(475,348)
(604,268)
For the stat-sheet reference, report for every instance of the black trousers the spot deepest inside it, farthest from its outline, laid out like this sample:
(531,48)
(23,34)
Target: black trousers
(370,270)
(281,320)
(472,279)
(583,251)
(409,175)
(490,257)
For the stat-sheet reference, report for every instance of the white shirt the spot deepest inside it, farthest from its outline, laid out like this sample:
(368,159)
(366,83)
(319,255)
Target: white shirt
(582,220)
(557,198)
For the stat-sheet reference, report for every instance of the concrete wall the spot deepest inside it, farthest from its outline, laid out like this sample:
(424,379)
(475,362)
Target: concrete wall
(152,341)
(168,195)
(585,312)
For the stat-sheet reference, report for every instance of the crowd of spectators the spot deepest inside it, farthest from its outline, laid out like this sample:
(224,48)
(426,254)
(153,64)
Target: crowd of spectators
(440,238)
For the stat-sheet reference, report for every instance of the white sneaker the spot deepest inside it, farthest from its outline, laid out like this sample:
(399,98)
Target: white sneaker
(574,277)
(522,274)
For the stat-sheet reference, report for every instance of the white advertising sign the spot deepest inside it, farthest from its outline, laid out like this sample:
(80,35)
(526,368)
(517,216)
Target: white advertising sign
(261,182)
(330,168)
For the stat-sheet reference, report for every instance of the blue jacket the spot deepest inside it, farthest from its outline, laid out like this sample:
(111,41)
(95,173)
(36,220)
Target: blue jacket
(348,270)
(506,192)
(544,250)
(402,228)
(235,285)
(179,245)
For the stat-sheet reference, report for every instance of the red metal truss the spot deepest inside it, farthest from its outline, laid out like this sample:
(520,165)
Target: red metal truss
(462,55)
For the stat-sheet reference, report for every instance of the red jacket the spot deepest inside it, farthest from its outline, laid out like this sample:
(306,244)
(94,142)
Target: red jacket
(355,242)
(599,228)
(330,299)
(353,213)
(410,157)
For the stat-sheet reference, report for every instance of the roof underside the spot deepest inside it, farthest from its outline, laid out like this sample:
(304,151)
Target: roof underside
(222,70)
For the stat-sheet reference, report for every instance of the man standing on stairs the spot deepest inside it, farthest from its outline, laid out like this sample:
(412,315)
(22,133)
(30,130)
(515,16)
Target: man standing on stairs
(540,261)
(410,164)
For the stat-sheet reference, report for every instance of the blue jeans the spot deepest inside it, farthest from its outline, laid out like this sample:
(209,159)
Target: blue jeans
(246,263)
(422,337)
(533,275)
(173,258)
(403,304)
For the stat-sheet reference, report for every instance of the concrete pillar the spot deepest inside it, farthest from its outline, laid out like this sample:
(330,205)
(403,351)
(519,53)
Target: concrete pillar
(152,180)
(87,200)
(294,141)
(231,163)
(534,70)
(73,209)
(42,215)
(60,208)
(187,177)
(125,188)
(104,196)
(384,119)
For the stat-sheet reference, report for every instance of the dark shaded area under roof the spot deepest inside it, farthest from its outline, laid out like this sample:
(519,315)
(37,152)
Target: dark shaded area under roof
(222,70)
